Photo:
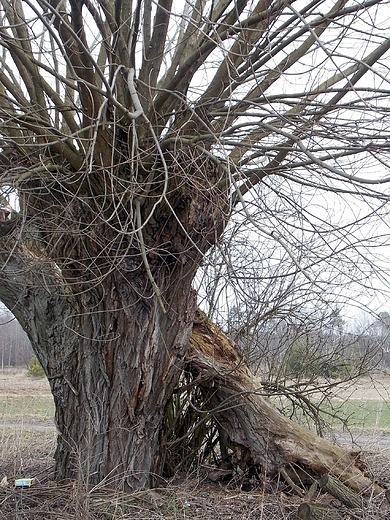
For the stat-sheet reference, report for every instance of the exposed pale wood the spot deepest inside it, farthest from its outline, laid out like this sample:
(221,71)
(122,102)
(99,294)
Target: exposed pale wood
(336,488)
(254,429)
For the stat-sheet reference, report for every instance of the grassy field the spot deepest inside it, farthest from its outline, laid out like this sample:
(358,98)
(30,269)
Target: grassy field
(365,404)
(27,432)
(25,400)
(354,414)
(364,415)
(359,406)
(358,414)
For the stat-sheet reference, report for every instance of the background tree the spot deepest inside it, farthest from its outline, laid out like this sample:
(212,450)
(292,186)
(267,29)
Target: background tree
(132,133)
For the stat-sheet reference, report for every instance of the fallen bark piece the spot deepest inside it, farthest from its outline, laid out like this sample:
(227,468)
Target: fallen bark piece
(340,491)
(308,511)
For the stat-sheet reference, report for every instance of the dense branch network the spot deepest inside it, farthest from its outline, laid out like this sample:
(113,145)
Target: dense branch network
(102,101)
(138,137)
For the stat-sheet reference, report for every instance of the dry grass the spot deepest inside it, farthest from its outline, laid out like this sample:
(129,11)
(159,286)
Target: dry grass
(193,498)
(189,500)
(28,452)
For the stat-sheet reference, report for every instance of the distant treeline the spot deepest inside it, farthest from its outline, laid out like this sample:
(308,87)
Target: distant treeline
(15,347)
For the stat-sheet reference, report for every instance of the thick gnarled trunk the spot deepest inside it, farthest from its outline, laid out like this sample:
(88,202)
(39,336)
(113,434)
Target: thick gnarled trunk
(112,363)
(105,297)
(113,357)
(112,390)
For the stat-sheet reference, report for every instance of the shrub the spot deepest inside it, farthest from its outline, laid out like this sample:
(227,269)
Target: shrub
(304,360)
(35,368)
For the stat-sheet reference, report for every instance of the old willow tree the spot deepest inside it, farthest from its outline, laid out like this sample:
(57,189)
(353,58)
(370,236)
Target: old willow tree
(131,133)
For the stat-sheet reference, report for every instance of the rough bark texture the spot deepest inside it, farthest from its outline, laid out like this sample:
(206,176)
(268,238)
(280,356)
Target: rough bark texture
(113,359)
(111,400)
(256,432)
(340,491)
(112,365)
(127,169)
(110,316)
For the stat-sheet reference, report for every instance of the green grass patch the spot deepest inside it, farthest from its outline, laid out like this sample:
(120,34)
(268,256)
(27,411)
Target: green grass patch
(355,413)
(39,408)
(366,415)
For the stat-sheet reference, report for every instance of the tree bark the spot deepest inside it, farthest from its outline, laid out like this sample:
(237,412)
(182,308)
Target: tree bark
(105,297)
(112,360)
(256,432)
(112,393)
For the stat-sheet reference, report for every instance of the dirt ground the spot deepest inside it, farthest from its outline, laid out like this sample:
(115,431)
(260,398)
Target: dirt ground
(26,451)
